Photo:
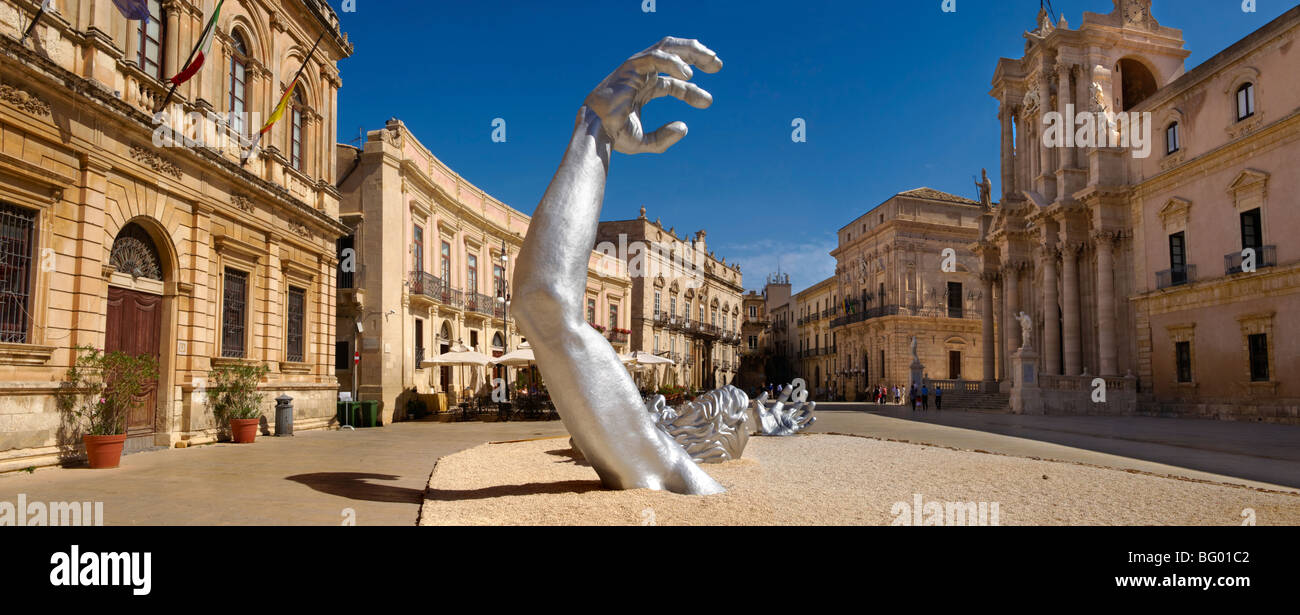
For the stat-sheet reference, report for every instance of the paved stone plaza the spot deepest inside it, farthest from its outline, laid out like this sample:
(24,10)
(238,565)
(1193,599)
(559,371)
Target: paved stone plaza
(381,473)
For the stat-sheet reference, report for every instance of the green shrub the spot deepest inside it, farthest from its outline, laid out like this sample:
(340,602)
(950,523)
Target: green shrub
(232,391)
(100,389)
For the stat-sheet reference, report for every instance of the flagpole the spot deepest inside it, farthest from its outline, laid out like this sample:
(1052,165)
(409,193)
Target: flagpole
(295,80)
(212,23)
(32,26)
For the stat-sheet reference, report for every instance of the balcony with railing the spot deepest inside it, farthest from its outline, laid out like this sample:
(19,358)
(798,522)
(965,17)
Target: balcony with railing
(480,304)
(1265,256)
(661,319)
(618,337)
(428,287)
(1177,276)
(957,313)
(708,331)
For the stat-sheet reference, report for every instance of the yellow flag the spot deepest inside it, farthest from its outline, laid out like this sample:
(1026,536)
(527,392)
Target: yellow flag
(278,114)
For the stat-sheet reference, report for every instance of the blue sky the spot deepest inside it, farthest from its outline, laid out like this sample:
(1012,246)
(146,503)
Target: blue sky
(895,96)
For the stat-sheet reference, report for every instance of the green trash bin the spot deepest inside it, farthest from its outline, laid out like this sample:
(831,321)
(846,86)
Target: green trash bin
(369,413)
(348,414)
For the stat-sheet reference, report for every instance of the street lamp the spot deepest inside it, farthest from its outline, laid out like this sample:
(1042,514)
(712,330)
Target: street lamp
(503,297)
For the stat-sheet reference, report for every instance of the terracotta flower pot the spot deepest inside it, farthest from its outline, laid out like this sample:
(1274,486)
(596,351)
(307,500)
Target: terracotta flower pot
(104,452)
(243,431)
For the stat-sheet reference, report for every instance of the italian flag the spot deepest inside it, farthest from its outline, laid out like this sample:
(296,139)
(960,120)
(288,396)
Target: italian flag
(202,50)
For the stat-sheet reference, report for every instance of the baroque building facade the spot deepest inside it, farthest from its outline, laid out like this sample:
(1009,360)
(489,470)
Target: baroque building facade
(686,301)
(112,239)
(433,258)
(815,308)
(755,341)
(905,269)
(1136,266)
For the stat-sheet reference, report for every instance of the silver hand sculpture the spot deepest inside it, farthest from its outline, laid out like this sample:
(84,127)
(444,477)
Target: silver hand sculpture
(712,429)
(779,419)
(593,393)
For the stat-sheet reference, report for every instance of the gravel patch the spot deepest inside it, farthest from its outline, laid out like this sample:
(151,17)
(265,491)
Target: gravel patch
(833,480)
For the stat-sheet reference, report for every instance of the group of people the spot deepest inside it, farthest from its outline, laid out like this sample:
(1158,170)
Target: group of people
(918,396)
(882,394)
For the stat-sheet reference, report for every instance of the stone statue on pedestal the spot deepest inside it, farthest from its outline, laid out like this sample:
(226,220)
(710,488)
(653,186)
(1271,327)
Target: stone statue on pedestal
(1026,330)
(986,190)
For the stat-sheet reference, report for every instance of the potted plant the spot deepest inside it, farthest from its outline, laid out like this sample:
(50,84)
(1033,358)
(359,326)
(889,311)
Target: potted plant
(98,394)
(233,397)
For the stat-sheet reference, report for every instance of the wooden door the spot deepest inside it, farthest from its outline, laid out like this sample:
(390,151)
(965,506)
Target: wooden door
(134,326)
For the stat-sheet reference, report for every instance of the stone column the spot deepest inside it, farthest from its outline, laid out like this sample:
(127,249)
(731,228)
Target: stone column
(1000,332)
(1070,315)
(1051,315)
(988,338)
(1065,98)
(1046,171)
(171,46)
(1106,304)
(1006,114)
(1010,324)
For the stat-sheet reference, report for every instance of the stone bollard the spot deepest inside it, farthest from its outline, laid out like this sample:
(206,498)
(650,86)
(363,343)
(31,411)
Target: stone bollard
(283,416)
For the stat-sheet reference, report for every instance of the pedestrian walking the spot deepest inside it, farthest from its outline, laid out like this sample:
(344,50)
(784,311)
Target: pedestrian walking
(925,397)
(938,399)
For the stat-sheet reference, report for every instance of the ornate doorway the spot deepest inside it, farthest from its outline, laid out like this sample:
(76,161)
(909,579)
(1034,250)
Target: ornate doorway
(134,320)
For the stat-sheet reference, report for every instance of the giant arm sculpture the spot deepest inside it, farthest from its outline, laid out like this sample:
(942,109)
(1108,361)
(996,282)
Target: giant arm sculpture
(594,395)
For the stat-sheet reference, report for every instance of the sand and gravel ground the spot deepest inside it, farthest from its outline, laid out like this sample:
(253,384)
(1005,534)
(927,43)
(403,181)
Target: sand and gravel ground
(830,480)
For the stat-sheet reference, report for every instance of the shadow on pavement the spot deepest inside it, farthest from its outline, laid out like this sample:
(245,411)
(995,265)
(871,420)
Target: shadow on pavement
(572,486)
(355,486)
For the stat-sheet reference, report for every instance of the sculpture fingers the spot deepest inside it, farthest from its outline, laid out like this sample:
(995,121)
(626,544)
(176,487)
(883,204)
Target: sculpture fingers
(693,52)
(655,61)
(684,91)
(660,140)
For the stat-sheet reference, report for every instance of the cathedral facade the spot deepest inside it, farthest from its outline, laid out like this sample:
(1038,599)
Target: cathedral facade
(1143,247)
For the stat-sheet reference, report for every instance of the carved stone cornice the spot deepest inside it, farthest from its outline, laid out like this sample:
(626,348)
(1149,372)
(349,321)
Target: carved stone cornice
(242,202)
(24,100)
(301,229)
(155,161)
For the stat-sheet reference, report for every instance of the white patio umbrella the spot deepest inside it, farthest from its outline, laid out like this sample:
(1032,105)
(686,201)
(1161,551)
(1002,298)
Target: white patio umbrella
(645,358)
(645,361)
(523,357)
(461,355)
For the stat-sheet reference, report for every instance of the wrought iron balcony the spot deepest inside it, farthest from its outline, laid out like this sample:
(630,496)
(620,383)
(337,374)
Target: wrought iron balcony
(479,303)
(616,337)
(1177,276)
(661,319)
(1265,256)
(430,286)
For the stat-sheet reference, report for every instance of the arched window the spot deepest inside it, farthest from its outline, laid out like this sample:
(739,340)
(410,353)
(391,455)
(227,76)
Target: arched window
(238,82)
(298,137)
(1245,101)
(152,35)
(1173,138)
